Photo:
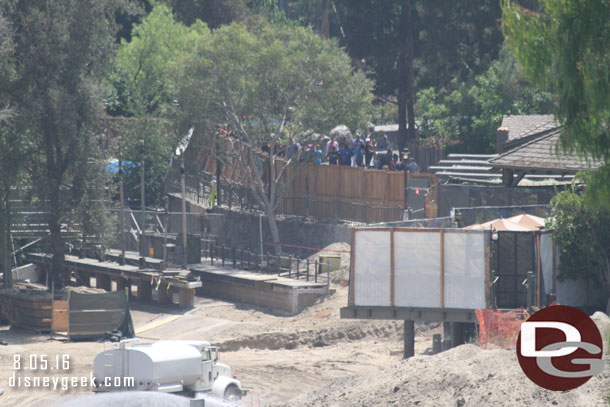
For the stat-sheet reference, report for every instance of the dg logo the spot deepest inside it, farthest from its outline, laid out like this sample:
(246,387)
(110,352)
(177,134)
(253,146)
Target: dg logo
(560,348)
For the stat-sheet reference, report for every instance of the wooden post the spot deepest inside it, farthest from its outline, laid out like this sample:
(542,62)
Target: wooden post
(298,264)
(308,269)
(234,262)
(409,339)
(315,272)
(223,255)
(392,267)
(144,290)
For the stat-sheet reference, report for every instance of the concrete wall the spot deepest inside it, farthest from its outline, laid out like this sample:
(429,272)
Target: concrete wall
(241,230)
(280,299)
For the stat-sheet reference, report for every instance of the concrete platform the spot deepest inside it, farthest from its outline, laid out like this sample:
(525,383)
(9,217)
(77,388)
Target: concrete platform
(133,259)
(126,275)
(281,294)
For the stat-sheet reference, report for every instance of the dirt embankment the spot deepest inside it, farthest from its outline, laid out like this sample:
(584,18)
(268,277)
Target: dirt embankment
(463,376)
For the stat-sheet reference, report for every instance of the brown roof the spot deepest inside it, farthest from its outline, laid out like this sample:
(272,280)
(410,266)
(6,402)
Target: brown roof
(521,126)
(543,154)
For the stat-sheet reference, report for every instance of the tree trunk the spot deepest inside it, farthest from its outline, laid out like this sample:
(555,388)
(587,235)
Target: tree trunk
(5,228)
(410,76)
(56,240)
(275,233)
(402,81)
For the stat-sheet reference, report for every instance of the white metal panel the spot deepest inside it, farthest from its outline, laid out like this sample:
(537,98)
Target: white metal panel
(372,268)
(417,269)
(465,270)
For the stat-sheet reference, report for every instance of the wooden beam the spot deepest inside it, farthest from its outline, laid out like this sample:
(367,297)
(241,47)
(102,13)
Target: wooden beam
(352,261)
(408,313)
(392,268)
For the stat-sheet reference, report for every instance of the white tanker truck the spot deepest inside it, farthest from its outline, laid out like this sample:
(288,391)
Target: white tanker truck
(165,366)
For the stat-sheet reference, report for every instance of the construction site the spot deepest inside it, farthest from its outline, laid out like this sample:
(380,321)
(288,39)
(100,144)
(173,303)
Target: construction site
(362,307)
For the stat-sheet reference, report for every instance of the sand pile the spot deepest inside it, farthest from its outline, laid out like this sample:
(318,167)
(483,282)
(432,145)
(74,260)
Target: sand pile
(463,376)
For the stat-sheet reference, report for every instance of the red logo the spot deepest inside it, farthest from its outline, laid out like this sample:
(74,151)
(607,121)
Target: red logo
(560,348)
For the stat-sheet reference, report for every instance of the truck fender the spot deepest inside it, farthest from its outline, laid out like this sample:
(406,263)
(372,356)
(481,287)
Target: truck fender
(221,383)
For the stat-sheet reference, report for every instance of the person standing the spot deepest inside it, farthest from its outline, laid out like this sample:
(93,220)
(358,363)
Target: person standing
(345,155)
(369,150)
(317,155)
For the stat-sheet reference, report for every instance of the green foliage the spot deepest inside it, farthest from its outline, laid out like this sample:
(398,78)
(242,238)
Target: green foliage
(467,113)
(582,232)
(61,50)
(143,80)
(159,143)
(270,77)
(564,48)
(449,41)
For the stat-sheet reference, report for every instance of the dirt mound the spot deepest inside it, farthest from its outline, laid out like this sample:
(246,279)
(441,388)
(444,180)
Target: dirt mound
(312,337)
(463,376)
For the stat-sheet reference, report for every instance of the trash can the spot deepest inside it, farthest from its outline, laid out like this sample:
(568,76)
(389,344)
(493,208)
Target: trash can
(329,262)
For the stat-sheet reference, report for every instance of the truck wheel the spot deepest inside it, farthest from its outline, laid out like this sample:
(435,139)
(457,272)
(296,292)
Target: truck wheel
(232,393)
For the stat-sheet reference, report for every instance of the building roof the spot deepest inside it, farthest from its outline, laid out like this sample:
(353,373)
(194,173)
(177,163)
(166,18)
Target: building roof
(522,126)
(477,168)
(543,154)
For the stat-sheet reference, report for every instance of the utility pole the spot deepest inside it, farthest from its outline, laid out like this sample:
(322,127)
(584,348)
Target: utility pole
(183,190)
(166,204)
(143,201)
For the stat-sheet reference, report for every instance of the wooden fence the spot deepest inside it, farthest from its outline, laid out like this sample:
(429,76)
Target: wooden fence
(324,192)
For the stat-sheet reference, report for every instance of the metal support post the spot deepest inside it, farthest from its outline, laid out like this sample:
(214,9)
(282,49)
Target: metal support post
(409,339)
(142,201)
(183,190)
(122,214)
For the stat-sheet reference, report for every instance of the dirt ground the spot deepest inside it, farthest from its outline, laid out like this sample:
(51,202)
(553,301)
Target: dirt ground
(275,357)
(311,359)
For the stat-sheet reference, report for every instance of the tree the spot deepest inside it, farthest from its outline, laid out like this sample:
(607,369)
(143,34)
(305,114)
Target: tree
(11,149)
(564,48)
(143,81)
(263,82)
(61,49)
(144,85)
(412,45)
(465,114)
(582,233)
